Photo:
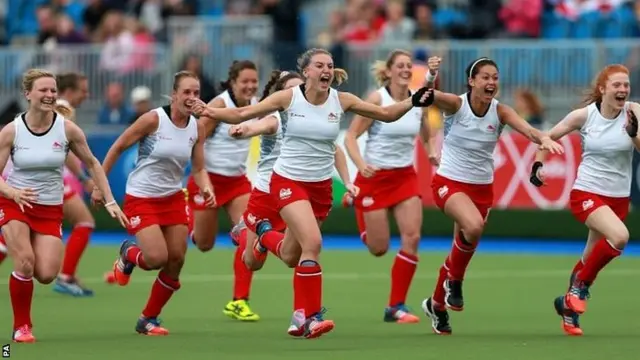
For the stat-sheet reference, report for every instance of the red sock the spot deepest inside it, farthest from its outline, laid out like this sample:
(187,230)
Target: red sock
(298,299)
(362,229)
(600,256)
(272,241)
(161,292)
(438,293)
(242,276)
(578,266)
(21,292)
(3,249)
(402,271)
(134,255)
(76,244)
(308,286)
(461,254)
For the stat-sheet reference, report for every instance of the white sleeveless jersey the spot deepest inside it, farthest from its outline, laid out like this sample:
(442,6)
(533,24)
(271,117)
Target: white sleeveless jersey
(38,160)
(162,158)
(392,145)
(269,152)
(308,144)
(225,155)
(607,155)
(469,142)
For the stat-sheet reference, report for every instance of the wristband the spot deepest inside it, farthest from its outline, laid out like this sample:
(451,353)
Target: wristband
(112,202)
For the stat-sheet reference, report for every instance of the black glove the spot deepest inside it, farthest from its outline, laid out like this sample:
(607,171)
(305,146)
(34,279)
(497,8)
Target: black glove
(426,93)
(534,179)
(632,124)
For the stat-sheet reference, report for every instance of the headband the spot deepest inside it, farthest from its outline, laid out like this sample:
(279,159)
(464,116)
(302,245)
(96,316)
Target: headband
(476,63)
(283,74)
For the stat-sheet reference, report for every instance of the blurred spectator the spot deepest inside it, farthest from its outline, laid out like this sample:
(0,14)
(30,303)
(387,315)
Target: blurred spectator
(65,32)
(398,28)
(529,107)
(522,17)
(362,22)
(154,13)
(333,34)
(72,8)
(286,22)
(141,102)
(119,45)
(412,6)
(46,24)
(207,89)
(143,57)
(93,15)
(573,9)
(425,28)
(115,111)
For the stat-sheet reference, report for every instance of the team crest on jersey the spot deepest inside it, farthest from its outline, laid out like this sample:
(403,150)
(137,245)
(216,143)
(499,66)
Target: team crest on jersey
(587,204)
(491,128)
(191,141)
(367,201)
(198,199)
(334,117)
(134,221)
(442,192)
(285,193)
(251,219)
(1,214)
(58,147)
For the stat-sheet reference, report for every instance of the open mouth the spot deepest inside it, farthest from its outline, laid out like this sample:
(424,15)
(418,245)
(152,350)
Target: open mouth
(490,91)
(406,75)
(189,103)
(325,79)
(621,97)
(48,101)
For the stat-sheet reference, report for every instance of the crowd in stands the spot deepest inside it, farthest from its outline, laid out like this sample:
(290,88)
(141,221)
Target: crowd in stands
(125,28)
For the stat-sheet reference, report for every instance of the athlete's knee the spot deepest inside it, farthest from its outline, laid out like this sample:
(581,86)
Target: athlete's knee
(24,263)
(175,259)
(619,238)
(253,265)
(378,248)
(473,229)
(203,245)
(45,277)
(156,259)
(290,258)
(410,242)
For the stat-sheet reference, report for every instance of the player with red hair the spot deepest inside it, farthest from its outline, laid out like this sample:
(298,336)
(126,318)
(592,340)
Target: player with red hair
(608,126)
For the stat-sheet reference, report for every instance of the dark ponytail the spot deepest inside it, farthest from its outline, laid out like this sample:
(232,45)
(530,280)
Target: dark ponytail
(234,71)
(277,80)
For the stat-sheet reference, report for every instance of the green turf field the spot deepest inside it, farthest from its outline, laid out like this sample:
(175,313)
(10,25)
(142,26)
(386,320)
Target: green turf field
(508,313)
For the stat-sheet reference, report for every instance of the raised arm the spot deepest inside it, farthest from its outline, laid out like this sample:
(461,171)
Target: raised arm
(448,103)
(268,125)
(573,121)
(145,125)
(632,124)
(210,124)
(508,116)
(358,126)
(277,101)
(391,113)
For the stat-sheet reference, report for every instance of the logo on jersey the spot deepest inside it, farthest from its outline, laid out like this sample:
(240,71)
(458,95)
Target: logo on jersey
(251,219)
(1,214)
(442,192)
(587,204)
(198,199)
(334,117)
(191,141)
(367,201)
(57,146)
(285,193)
(134,221)
(491,128)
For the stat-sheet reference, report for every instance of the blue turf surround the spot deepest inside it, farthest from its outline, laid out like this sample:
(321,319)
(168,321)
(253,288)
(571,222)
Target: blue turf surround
(488,245)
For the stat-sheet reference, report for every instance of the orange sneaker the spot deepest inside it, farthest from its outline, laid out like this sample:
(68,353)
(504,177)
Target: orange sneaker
(150,327)
(400,314)
(570,319)
(23,334)
(576,297)
(122,268)
(317,326)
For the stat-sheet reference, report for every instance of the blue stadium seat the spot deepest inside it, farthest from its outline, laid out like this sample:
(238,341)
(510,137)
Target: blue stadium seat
(554,26)
(447,17)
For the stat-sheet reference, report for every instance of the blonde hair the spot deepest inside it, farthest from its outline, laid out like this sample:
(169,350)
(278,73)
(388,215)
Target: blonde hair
(31,76)
(379,68)
(339,75)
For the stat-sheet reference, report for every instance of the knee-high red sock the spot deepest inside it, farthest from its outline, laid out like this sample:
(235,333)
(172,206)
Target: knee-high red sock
(21,292)
(460,256)
(77,243)
(242,276)
(3,249)
(134,255)
(308,286)
(600,256)
(438,292)
(402,271)
(161,292)
(272,241)
(578,266)
(298,299)
(362,229)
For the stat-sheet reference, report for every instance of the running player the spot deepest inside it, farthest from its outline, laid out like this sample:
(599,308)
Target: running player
(388,180)
(37,142)
(261,204)
(302,176)
(608,126)
(73,89)
(226,164)
(155,203)
(462,186)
